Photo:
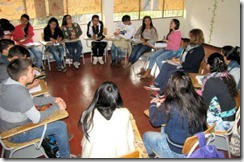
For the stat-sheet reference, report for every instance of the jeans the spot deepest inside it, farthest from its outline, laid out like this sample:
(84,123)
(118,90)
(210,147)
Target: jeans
(58,128)
(75,49)
(36,54)
(138,51)
(115,50)
(156,141)
(58,53)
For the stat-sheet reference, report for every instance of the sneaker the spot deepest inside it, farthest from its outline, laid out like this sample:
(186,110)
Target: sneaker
(151,88)
(59,68)
(113,63)
(63,68)
(118,63)
(100,60)
(76,64)
(95,59)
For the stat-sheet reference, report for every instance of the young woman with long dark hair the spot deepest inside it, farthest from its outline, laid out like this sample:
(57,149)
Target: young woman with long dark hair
(23,34)
(219,92)
(106,125)
(184,113)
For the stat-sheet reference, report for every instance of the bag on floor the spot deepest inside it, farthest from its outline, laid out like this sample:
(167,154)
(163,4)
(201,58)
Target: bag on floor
(206,151)
(50,146)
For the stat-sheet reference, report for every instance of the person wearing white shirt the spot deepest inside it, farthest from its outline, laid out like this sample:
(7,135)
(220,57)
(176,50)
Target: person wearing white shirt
(124,31)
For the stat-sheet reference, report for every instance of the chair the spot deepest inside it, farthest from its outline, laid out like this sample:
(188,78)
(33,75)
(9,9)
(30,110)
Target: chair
(132,155)
(31,148)
(222,140)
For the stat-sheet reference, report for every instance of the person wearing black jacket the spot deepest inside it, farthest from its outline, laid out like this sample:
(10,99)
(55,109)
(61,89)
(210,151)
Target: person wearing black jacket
(54,35)
(95,31)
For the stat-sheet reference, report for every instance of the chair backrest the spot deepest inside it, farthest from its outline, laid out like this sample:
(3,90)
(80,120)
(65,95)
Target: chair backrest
(132,155)
(42,36)
(190,141)
(105,31)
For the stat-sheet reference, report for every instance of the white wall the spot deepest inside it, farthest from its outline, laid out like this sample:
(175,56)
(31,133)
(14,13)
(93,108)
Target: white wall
(226,29)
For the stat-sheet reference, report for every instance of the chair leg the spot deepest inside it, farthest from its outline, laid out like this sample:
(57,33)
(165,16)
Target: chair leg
(2,154)
(228,146)
(83,58)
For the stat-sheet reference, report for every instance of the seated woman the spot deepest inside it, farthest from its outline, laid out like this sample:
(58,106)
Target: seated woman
(219,92)
(147,34)
(72,32)
(23,34)
(95,31)
(53,33)
(189,61)
(184,113)
(106,125)
(173,41)
(232,59)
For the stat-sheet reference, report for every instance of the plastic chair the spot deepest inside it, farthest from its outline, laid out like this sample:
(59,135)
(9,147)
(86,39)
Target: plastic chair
(30,149)
(222,138)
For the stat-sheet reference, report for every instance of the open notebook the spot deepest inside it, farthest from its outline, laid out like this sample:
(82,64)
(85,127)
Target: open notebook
(199,78)
(35,89)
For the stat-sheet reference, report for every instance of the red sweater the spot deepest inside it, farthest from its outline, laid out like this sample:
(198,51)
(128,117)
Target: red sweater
(19,33)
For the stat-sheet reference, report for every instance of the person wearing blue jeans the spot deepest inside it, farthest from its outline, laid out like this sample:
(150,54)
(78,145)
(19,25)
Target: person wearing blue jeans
(138,51)
(75,49)
(58,128)
(58,54)
(116,50)
(36,55)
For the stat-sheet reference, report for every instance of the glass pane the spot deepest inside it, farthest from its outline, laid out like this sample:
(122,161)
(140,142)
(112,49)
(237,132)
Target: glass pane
(151,5)
(12,10)
(133,15)
(152,14)
(126,6)
(36,8)
(84,6)
(173,4)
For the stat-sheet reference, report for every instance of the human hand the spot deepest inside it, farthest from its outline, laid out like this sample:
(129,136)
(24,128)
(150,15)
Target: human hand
(58,99)
(94,37)
(62,105)
(116,34)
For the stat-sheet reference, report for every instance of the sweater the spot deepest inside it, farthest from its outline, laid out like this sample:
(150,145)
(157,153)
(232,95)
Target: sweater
(74,30)
(176,127)
(174,40)
(150,35)
(98,30)
(19,33)
(126,31)
(17,107)
(109,138)
(48,34)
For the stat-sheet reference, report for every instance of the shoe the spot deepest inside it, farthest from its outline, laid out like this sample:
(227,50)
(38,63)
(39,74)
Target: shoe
(151,88)
(95,59)
(63,68)
(100,60)
(118,63)
(113,63)
(146,74)
(76,64)
(156,96)
(59,68)
(127,65)
(70,136)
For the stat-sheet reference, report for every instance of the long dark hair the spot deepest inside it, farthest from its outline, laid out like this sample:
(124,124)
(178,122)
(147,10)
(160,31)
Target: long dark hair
(144,25)
(53,19)
(64,22)
(27,25)
(217,64)
(181,92)
(177,26)
(230,53)
(106,99)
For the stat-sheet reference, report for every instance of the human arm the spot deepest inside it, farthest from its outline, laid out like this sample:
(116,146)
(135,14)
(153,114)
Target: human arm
(157,115)
(35,83)
(174,40)
(138,33)
(235,72)
(66,32)
(88,32)
(78,30)
(60,35)
(129,32)
(209,91)
(154,36)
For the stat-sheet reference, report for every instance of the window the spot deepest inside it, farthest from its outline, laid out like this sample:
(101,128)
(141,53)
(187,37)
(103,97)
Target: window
(40,11)
(137,9)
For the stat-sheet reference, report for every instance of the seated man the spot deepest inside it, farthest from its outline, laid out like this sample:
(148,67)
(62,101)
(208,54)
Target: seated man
(17,107)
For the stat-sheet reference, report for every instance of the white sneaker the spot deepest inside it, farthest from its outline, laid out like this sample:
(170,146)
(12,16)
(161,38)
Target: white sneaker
(100,60)
(76,65)
(94,60)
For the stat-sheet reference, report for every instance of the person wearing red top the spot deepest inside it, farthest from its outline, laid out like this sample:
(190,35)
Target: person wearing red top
(23,34)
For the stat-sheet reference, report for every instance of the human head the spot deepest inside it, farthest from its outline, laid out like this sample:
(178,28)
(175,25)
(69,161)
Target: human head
(174,24)
(95,19)
(6,29)
(24,19)
(147,20)
(196,37)
(126,19)
(18,51)
(216,63)
(21,70)
(106,99)
(67,19)
(5,45)
(230,54)
(53,23)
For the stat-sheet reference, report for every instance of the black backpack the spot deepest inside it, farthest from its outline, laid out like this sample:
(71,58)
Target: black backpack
(50,146)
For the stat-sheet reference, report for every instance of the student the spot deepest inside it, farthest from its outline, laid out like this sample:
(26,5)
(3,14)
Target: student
(5,45)
(184,113)
(23,34)
(219,92)
(147,34)
(173,41)
(72,32)
(106,125)
(232,59)
(124,31)
(16,103)
(53,33)
(7,29)
(95,31)
(189,62)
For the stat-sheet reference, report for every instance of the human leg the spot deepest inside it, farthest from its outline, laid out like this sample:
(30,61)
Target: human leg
(54,51)
(113,51)
(77,54)
(167,55)
(38,55)
(140,52)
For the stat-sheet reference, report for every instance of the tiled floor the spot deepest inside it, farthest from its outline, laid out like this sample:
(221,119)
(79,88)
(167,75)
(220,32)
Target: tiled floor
(77,87)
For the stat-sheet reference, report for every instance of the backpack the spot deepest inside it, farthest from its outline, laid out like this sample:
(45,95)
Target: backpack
(50,146)
(206,151)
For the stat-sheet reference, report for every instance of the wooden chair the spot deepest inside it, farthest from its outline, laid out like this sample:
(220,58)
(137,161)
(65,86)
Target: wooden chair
(132,155)
(31,148)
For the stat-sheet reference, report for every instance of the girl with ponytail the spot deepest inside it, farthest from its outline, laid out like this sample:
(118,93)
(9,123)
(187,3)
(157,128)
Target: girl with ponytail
(106,125)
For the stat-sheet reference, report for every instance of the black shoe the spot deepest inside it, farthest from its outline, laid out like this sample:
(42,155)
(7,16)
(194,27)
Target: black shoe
(63,68)
(59,68)
(118,63)
(113,63)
